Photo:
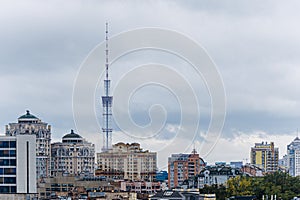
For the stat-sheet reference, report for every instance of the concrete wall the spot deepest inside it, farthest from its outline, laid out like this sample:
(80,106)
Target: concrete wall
(26,159)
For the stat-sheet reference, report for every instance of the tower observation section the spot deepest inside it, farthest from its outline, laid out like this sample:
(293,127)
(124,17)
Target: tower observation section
(107,102)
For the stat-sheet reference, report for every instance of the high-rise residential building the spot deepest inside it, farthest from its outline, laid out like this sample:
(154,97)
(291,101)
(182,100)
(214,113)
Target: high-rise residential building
(30,124)
(293,157)
(265,156)
(127,161)
(74,155)
(17,166)
(182,167)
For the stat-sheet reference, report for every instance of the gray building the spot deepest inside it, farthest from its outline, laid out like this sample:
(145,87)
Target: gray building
(30,124)
(218,174)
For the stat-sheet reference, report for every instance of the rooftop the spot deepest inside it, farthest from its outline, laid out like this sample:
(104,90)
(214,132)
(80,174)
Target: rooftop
(28,116)
(72,135)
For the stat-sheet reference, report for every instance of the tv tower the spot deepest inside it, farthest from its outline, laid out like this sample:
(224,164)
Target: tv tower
(107,102)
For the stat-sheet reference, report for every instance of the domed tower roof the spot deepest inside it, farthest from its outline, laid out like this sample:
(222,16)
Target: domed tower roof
(28,118)
(72,138)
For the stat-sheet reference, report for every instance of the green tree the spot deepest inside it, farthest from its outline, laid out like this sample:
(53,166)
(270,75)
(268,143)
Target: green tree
(280,184)
(240,186)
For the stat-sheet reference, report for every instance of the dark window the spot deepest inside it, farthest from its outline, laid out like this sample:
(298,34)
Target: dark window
(13,189)
(4,153)
(4,144)
(9,179)
(12,144)
(4,162)
(12,153)
(4,189)
(7,162)
(10,171)
(12,162)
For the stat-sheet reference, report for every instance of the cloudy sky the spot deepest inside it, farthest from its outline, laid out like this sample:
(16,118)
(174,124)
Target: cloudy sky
(255,46)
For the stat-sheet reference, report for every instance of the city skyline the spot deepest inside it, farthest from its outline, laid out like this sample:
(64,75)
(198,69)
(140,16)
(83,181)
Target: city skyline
(255,47)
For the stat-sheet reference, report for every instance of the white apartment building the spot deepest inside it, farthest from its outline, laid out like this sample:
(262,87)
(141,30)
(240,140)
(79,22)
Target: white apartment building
(17,165)
(293,157)
(30,124)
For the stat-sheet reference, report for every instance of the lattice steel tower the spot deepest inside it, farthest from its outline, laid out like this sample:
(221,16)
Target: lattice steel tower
(107,103)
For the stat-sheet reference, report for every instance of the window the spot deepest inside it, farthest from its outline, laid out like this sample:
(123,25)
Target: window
(13,189)
(4,144)
(12,153)
(7,162)
(10,171)
(10,180)
(4,189)
(12,144)
(4,153)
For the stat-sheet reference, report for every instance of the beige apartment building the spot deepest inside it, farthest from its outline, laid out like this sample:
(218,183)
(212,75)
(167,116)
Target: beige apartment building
(128,162)
(74,155)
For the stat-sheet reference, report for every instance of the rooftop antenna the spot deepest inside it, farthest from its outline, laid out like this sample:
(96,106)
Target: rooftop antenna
(107,102)
(194,149)
(106,56)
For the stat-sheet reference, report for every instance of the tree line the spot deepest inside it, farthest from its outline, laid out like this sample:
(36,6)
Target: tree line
(281,184)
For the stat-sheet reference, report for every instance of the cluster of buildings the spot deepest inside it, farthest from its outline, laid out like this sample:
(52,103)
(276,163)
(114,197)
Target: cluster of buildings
(30,164)
(266,157)
(33,167)
(27,155)
(291,161)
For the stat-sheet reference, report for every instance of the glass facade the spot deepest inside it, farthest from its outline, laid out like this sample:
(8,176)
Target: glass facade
(8,166)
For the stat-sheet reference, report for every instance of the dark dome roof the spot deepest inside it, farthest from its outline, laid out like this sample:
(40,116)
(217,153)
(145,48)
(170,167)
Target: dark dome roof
(71,135)
(28,116)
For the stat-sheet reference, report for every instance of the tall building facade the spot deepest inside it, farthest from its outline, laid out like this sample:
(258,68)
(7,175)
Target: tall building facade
(18,164)
(127,161)
(293,157)
(182,167)
(265,156)
(74,155)
(30,124)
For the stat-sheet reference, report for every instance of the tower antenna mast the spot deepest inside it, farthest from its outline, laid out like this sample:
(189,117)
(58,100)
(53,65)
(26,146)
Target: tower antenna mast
(107,101)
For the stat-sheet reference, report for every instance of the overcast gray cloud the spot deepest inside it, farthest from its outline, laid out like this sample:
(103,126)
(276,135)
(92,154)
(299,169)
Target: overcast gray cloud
(256,46)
